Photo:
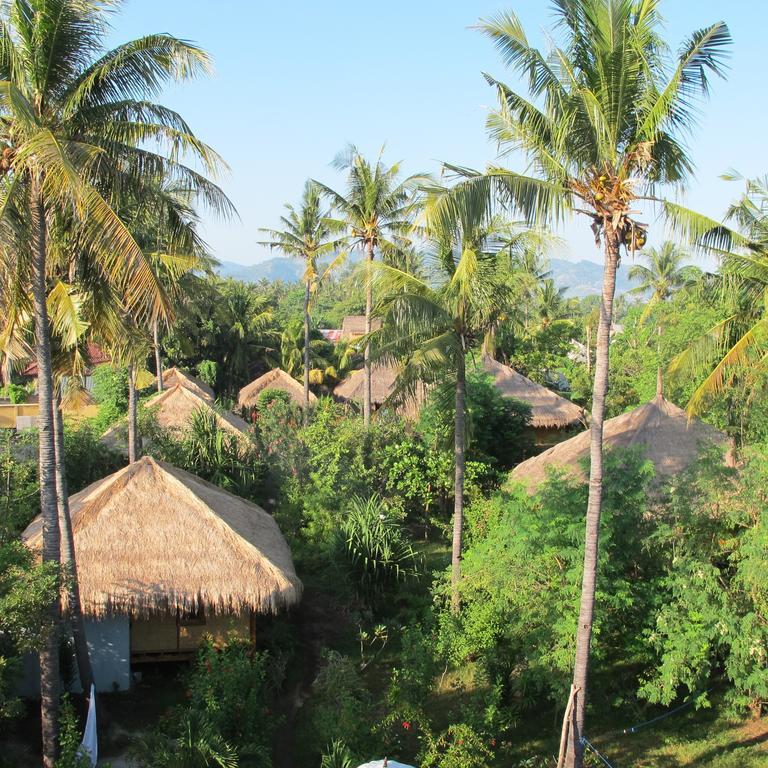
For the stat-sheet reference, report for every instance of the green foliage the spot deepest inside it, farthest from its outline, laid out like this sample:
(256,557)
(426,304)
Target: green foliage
(87,459)
(70,754)
(341,705)
(16,393)
(460,746)
(227,720)
(337,756)
(20,499)
(716,545)
(497,425)
(110,391)
(208,371)
(524,547)
(376,546)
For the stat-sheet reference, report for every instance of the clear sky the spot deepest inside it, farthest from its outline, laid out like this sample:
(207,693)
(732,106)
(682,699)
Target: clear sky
(297,80)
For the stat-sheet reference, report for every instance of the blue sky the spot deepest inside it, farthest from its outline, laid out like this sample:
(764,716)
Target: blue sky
(297,80)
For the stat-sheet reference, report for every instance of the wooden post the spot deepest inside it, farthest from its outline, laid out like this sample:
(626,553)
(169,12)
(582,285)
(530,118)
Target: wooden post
(567,717)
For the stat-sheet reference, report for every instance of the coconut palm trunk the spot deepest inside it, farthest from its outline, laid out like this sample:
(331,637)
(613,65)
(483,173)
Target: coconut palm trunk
(69,562)
(49,652)
(575,757)
(659,372)
(459,441)
(307,292)
(368,312)
(158,361)
(134,438)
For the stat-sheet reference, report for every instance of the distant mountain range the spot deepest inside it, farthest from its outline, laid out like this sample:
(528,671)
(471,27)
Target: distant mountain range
(581,278)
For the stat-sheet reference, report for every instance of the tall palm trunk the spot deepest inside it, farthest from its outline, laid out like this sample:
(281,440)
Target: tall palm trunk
(575,757)
(589,349)
(659,372)
(134,438)
(306,351)
(158,362)
(368,311)
(459,440)
(49,652)
(69,562)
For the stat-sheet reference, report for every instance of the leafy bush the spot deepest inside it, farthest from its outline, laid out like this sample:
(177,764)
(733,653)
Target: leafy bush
(110,391)
(16,393)
(70,753)
(376,546)
(460,746)
(340,705)
(498,426)
(227,720)
(208,371)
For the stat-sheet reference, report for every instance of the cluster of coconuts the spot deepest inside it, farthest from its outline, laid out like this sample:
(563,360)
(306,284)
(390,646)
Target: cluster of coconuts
(634,237)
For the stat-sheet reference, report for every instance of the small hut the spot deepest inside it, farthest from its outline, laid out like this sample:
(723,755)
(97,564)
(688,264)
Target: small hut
(174,410)
(550,413)
(383,382)
(277,378)
(164,558)
(659,428)
(174,376)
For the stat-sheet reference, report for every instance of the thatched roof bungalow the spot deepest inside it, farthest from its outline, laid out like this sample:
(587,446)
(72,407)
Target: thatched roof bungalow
(248,397)
(174,410)
(174,376)
(164,558)
(383,382)
(549,411)
(659,428)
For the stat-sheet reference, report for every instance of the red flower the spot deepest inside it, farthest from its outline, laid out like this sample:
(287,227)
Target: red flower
(406,725)
(493,743)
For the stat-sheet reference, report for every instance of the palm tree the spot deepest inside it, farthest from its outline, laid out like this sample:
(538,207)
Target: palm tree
(737,344)
(246,331)
(432,323)
(306,235)
(664,274)
(76,126)
(377,212)
(602,126)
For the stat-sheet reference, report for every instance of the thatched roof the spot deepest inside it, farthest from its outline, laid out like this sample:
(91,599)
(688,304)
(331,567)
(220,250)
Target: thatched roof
(659,428)
(153,537)
(174,376)
(383,380)
(175,408)
(277,378)
(548,409)
(353,326)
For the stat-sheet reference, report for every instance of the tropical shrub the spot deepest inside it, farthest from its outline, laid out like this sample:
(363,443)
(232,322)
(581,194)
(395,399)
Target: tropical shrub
(459,746)
(208,371)
(16,393)
(376,546)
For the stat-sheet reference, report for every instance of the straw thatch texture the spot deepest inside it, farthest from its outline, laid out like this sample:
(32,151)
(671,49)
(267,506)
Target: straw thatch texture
(174,376)
(277,378)
(659,428)
(353,326)
(548,409)
(152,537)
(176,406)
(383,382)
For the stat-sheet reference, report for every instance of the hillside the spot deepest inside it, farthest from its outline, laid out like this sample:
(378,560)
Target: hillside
(580,277)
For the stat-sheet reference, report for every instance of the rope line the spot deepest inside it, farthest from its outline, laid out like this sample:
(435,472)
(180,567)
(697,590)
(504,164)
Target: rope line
(665,715)
(600,757)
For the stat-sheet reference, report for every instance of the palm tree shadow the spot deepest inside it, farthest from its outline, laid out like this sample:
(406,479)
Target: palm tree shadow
(753,741)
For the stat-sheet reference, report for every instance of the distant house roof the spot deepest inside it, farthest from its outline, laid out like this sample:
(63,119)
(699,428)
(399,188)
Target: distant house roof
(353,326)
(96,356)
(383,382)
(331,334)
(152,537)
(661,429)
(548,409)
(277,378)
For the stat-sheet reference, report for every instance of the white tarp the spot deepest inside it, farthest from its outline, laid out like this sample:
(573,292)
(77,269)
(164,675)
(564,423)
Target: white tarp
(90,745)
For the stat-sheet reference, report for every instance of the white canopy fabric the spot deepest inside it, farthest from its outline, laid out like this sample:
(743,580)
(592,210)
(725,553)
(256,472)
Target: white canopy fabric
(380,764)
